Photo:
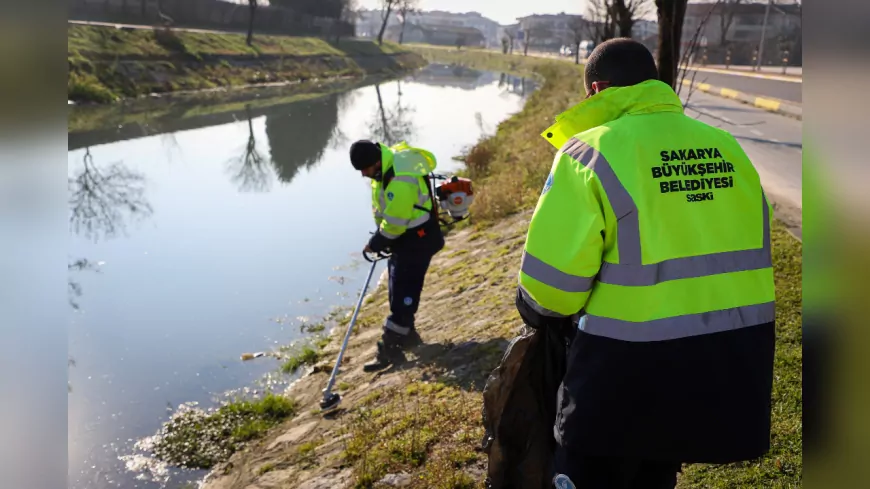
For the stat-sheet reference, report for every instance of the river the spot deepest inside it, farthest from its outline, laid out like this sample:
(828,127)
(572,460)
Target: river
(201,236)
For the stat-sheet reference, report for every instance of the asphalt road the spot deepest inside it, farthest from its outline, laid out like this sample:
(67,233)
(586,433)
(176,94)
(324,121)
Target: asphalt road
(764,87)
(773,143)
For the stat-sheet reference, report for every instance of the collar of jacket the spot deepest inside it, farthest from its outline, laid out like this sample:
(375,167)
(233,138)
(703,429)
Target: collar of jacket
(611,104)
(386,159)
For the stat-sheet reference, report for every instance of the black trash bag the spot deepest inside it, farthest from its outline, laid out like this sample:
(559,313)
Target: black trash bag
(519,405)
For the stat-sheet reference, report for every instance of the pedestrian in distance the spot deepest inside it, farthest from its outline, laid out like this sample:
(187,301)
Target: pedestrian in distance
(652,238)
(408,228)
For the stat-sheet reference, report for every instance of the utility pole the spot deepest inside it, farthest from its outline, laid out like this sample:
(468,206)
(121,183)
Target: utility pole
(763,29)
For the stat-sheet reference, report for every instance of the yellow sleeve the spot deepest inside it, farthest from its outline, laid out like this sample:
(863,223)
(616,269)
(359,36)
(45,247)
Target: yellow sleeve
(565,241)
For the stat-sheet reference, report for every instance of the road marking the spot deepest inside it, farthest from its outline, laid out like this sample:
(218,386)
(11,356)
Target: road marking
(766,103)
(727,92)
(756,132)
(727,120)
(785,78)
(775,140)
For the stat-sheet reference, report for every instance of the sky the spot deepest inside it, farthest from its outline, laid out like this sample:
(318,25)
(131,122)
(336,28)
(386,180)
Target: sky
(501,11)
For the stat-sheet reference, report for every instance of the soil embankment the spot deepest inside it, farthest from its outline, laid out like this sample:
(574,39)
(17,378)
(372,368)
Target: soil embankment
(107,64)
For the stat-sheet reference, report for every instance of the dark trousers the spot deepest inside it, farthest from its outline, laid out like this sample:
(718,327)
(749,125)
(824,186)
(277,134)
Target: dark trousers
(588,472)
(407,270)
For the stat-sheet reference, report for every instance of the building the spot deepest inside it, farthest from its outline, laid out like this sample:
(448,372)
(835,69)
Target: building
(445,35)
(736,30)
(369,24)
(551,31)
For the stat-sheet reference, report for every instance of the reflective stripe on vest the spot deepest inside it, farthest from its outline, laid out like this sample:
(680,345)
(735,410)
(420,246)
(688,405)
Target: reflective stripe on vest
(632,272)
(422,199)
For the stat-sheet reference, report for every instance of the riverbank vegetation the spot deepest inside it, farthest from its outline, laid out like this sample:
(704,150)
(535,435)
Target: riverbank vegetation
(418,424)
(107,64)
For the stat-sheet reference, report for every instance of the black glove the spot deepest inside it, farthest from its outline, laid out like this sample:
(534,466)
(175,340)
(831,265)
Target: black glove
(536,320)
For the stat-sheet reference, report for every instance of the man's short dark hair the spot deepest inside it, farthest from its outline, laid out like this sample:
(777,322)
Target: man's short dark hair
(622,62)
(364,153)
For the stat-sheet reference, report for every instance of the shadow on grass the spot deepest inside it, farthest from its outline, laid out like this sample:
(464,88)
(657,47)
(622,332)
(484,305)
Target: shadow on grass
(465,365)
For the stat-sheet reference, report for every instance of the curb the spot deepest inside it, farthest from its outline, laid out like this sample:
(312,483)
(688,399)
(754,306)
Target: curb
(769,104)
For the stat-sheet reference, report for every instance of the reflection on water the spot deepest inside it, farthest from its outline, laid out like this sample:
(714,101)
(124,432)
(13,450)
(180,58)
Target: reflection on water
(200,231)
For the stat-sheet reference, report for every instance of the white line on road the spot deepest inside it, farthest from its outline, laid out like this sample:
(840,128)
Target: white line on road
(727,120)
(756,132)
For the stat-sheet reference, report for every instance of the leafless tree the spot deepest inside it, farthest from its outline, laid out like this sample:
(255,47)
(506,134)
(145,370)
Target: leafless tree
(74,289)
(387,7)
(252,9)
(349,14)
(689,53)
(405,8)
(99,198)
(726,18)
(535,32)
(671,14)
(601,23)
(251,171)
(510,35)
(392,125)
(577,27)
(626,12)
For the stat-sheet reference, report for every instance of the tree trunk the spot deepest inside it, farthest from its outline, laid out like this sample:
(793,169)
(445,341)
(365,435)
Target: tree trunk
(384,24)
(402,32)
(576,53)
(252,5)
(670,14)
(623,17)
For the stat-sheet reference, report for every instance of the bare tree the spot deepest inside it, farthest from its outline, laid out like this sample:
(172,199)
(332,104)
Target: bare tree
(726,18)
(535,32)
(349,14)
(251,170)
(689,53)
(577,27)
(386,9)
(99,198)
(601,24)
(405,8)
(252,8)
(626,12)
(392,125)
(510,35)
(671,14)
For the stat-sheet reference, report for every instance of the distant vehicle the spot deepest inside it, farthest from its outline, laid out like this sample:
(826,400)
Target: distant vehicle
(586,48)
(566,51)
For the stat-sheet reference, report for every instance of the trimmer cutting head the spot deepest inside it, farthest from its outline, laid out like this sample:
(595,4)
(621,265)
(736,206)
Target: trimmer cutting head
(330,403)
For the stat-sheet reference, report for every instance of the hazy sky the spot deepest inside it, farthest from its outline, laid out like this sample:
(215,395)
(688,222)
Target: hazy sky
(501,11)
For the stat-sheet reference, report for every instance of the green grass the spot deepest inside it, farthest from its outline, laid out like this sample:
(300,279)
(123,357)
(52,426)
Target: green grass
(782,467)
(158,42)
(197,439)
(510,167)
(105,63)
(307,355)
(428,429)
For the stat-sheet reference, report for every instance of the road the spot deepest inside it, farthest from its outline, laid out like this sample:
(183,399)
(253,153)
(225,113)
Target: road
(779,87)
(772,142)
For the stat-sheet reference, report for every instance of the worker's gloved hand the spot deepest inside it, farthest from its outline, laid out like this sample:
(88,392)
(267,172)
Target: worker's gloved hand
(536,320)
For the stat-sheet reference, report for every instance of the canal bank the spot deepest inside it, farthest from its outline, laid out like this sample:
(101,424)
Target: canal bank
(108,64)
(197,237)
(418,425)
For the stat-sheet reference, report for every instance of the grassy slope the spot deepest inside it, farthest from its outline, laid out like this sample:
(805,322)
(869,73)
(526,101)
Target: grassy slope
(423,419)
(106,63)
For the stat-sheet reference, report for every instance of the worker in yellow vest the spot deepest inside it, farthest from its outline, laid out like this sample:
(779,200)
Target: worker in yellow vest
(652,236)
(408,227)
